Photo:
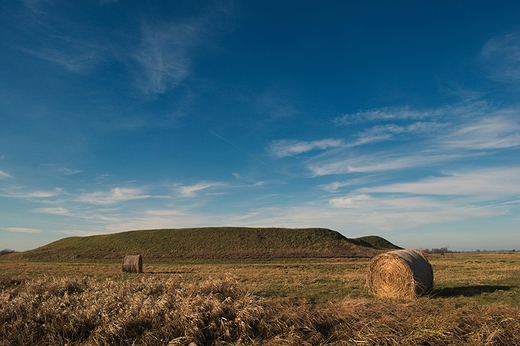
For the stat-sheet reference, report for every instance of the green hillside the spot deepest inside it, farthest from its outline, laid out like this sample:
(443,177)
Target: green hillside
(205,243)
(376,242)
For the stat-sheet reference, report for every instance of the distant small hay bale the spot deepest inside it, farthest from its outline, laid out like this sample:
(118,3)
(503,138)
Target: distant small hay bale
(400,274)
(132,264)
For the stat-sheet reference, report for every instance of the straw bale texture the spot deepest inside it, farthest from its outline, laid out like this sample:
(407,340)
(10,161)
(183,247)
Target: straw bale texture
(400,274)
(133,264)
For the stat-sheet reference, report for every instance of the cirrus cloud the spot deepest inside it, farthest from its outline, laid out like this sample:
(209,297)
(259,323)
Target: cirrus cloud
(53,211)
(283,148)
(192,190)
(485,184)
(4,175)
(115,195)
(21,230)
(501,55)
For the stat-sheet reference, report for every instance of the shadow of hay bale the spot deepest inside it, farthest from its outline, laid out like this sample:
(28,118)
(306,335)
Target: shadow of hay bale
(467,291)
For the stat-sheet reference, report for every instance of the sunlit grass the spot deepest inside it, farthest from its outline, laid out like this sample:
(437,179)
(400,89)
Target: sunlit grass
(276,302)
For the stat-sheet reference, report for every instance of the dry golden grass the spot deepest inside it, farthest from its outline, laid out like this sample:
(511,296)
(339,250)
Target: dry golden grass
(314,279)
(297,302)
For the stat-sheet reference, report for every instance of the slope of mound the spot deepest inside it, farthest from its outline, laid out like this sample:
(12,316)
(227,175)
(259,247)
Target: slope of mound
(376,242)
(215,242)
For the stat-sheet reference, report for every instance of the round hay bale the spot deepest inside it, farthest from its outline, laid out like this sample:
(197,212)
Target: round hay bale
(400,274)
(132,264)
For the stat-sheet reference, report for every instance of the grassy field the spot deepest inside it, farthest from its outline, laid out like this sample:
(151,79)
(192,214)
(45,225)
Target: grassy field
(476,301)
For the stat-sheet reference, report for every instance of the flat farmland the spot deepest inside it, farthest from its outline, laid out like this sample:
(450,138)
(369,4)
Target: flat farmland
(475,301)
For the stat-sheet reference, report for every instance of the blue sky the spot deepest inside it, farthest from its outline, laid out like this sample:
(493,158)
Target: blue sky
(394,118)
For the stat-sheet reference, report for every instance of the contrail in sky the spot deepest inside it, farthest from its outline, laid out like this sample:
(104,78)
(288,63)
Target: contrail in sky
(242,150)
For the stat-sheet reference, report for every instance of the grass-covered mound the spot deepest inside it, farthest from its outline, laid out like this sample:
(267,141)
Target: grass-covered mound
(376,242)
(205,243)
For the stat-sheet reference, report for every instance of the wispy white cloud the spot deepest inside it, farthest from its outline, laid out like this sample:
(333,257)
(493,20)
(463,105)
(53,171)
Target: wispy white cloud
(365,214)
(51,210)
(165,212)
(41,194)
(164,218)
(162,56)
(115,195)
(377,162)
(391,131)
(4,175)
(443,135)
(283,148)
(20,192)
(459,196)
(160,61)
(386,114)
(36,7)
(383,207)
(486,133)
(349,201)
(276,103)
(80,233)
(390,204)
(486,184)
(400,123)
(502,57)
(192,190)
(335,185)
(409,120)
(72,46)
(254,182)
(69,171)
(452,197)
(73,55)
(60,169)
(21,230)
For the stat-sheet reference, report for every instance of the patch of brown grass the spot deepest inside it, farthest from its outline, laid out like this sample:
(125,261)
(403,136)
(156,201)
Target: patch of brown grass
(152,310)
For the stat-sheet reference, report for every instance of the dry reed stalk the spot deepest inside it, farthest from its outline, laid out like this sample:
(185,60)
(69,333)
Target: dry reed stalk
(132,264)
(400,274)
(152,311)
